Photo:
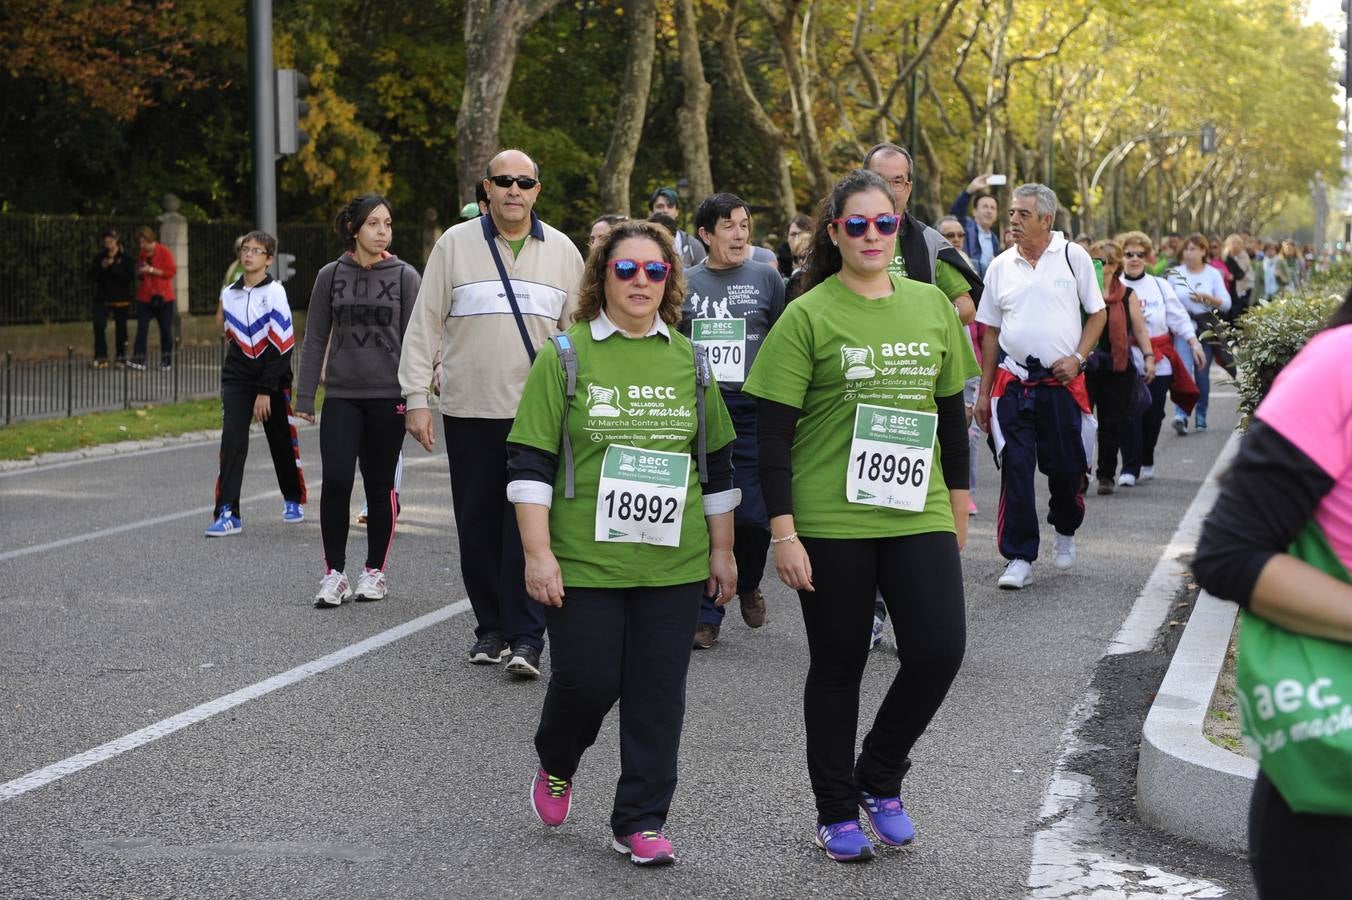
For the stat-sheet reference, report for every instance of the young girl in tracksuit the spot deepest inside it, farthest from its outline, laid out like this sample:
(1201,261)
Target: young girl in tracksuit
(358,312)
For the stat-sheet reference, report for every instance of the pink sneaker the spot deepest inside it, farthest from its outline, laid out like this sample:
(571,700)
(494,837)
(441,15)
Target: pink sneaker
(551,797)
(971,507)
(646,848)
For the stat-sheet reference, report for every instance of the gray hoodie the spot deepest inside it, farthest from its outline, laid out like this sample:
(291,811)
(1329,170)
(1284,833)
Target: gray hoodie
(358,315)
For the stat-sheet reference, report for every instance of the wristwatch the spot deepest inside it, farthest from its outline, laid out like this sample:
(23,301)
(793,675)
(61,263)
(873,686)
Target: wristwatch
(1077,355)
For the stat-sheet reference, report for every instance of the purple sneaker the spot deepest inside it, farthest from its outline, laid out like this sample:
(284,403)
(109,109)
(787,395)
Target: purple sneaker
(645,848)
(888,819)
(845,841)
(551,798)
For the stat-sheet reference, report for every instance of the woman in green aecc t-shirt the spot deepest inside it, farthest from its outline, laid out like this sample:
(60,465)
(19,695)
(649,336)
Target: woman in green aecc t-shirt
(621,565)
(858,380)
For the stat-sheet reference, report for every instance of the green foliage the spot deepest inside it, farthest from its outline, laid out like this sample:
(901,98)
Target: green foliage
(1267,336)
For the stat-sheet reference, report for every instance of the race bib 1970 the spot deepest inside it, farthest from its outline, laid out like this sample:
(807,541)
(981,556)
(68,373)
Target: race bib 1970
(726,342)
(890,457)
(641,496)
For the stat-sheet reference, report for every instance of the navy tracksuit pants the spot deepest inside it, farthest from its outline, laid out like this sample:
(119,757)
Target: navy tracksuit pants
(1041,426)
(751,522)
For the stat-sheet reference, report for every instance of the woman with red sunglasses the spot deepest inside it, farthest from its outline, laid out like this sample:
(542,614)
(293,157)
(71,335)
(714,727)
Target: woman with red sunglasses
(858,380)
(620,466)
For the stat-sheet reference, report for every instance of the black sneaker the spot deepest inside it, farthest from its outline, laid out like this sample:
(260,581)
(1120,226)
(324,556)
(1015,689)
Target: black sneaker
(525,662)
(489,650)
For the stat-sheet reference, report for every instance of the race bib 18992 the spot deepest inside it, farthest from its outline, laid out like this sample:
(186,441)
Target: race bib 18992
(726,342)
(641,496)
(890,457)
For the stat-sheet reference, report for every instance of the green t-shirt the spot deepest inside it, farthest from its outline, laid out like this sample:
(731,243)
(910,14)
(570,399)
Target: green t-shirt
(516,246)
(636,392)
(947,278)
(833,350)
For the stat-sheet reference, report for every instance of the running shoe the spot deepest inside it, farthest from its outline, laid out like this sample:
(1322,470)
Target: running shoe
(845,841)
(753,608)
(706,635)
(1201,423)
(139,367)
(645,848)
(888,819)
(1147,473)
(293,512)
(333,590)
(361,516)
(1181,427)
(1105,486)
(1017,575)
(525,662)
(1065,551)
(876,636)
(489,650)
(551,798)
(226,524)
(1126,479)
(971,507)
(371,585)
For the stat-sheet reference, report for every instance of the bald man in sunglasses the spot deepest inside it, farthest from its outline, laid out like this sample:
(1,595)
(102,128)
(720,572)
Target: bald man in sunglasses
(494,290)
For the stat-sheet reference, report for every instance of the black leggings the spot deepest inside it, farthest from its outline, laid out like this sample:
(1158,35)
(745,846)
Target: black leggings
(371,431)
(1297,855)
(920,577)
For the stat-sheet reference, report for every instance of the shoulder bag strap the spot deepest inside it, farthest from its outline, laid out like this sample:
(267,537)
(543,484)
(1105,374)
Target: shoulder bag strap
(702,379)
(568,359)
(507,286)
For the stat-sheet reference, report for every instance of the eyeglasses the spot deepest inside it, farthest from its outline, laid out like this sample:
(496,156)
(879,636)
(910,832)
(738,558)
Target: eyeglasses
(899,182)
(856,226)
(525,182)
(953,235)
(627,269)
(1134,254)
(252,251)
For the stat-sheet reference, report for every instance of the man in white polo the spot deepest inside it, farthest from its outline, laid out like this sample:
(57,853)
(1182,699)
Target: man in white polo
(1032,397)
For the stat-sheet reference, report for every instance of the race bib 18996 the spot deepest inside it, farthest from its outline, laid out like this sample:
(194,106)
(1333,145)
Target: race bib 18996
(726,342)
(641,496)
(890,457)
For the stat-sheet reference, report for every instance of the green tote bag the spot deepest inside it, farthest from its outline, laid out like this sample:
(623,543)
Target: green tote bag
(1295,699)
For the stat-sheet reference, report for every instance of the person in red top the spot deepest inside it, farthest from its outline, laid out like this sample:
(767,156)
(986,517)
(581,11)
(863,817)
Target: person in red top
(154,298)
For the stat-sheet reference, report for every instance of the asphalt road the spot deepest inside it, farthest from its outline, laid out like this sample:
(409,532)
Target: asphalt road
(404,771)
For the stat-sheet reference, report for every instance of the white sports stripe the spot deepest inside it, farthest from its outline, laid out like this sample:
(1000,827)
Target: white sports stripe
(487,298)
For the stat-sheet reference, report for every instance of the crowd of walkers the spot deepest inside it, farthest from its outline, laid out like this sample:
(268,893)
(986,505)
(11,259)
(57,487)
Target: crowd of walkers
(634,435)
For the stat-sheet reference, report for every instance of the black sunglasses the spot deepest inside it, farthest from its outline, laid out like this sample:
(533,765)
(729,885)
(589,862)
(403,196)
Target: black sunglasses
(525,182)
(1134,254)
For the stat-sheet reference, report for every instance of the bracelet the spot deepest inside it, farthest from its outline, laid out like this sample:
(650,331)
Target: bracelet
(786,539)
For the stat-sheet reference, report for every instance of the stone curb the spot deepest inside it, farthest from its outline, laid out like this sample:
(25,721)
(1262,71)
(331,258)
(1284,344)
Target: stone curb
(1185,784)
(122,448)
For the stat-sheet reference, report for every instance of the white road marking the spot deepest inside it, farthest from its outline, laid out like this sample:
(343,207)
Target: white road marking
(81,761)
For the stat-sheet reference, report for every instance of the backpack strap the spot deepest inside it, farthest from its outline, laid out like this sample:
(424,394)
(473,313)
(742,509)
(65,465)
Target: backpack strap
(703,376)
(568,359)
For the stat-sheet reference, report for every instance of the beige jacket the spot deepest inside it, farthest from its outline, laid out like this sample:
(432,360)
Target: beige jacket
(463,318)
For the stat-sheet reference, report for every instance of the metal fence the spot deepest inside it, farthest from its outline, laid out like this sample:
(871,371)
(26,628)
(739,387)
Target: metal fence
(44,271)
(71,386)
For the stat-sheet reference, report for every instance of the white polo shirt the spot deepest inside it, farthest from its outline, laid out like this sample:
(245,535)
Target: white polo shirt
(1037,308)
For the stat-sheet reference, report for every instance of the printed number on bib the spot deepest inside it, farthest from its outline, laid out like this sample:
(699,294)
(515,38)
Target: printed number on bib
(890,457)
(641,496)
(725,340)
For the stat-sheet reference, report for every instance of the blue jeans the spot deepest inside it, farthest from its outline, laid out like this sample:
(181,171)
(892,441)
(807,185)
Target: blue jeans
(1200,374)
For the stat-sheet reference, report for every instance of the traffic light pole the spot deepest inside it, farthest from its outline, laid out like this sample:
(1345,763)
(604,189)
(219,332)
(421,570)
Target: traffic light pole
(264,115)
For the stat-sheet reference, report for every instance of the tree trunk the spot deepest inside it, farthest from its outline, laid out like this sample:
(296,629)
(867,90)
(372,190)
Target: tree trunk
(493,32)
(632,108)
(692,118)
(772,139)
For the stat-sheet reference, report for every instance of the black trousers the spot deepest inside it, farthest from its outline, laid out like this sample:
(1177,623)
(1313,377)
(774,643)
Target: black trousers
(920,577)
(1296,856)
(164,317)
(492,562)
(237,402)
(630,645)
(120,314)
(750,546)
(1111,394)
(372,432)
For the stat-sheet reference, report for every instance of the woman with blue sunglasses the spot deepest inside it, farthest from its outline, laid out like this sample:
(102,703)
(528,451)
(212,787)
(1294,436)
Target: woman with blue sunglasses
(620,466)
(858,381)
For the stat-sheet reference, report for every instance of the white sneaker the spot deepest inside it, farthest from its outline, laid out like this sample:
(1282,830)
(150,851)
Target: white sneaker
(1147,473)
(1126,480)
(1065,549)
(371,585)
(1017,574)
(333,590)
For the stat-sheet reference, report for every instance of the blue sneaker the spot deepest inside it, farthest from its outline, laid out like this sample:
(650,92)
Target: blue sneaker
(845,841)
(293,512)
(888,819)
(226,524)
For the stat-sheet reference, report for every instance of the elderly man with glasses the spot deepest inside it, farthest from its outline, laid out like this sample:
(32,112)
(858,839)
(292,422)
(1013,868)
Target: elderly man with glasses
(494,290)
